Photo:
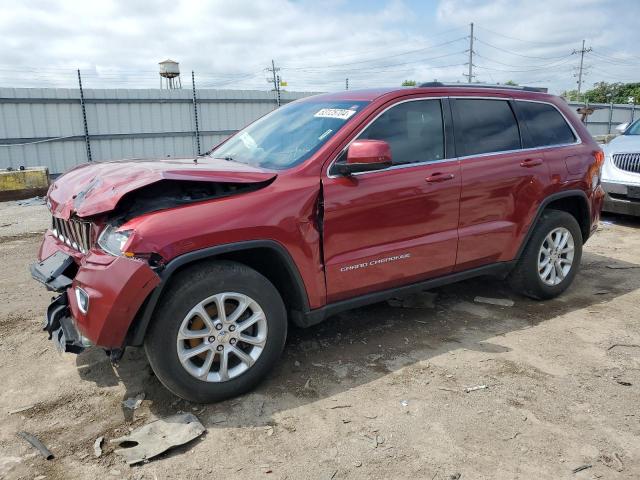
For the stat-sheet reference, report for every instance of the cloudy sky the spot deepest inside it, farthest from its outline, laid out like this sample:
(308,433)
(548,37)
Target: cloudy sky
(316,44)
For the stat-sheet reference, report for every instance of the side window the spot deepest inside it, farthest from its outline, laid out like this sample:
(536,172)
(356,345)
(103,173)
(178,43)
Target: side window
(484,126)
(545,124)
(414,130)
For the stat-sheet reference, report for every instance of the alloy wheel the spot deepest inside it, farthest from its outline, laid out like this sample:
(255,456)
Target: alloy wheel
(222,337)
(555,258)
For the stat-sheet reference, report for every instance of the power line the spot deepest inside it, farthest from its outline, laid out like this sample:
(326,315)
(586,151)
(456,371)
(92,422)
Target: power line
(518,39)
(515,53)
(409,52)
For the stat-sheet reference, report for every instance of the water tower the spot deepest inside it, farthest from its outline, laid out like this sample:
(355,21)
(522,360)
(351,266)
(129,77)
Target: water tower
(170,71)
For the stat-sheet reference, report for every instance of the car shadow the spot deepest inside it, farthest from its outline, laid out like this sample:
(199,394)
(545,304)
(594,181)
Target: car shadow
(362,345)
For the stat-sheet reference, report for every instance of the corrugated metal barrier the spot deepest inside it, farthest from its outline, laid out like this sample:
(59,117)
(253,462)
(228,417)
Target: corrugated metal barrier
(45,126)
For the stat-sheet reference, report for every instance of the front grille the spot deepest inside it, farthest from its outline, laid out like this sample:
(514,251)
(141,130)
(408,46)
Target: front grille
(629,162)
(74,233)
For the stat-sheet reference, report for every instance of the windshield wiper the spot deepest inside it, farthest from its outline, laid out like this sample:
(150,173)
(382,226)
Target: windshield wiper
(227,158)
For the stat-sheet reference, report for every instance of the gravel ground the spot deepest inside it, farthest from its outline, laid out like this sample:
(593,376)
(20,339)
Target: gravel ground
(375,392)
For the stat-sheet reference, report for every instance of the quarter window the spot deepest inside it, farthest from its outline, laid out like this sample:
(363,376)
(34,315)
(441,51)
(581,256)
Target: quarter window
(414,130)
(485,126)
(545,124)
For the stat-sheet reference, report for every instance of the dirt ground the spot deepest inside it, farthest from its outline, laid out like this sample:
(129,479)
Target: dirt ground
(377,392)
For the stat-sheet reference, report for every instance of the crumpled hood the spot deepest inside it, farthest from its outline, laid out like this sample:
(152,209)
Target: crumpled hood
(94,188)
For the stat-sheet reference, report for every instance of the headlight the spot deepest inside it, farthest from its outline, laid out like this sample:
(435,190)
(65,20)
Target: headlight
(112,241)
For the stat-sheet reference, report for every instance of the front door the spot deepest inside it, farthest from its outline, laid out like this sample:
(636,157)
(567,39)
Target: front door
(397,225)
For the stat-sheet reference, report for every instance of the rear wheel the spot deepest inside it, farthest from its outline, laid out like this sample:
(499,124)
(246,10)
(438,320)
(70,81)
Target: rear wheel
(217,333)
(552,257)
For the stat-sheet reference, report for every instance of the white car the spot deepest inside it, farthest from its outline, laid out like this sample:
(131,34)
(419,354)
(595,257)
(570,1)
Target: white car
(621,171)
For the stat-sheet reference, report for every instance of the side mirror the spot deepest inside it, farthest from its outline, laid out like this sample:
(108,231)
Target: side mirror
(366,156)
(622,127)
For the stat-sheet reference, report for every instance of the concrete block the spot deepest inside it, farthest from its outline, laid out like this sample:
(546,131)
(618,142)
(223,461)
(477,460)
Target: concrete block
(19,184)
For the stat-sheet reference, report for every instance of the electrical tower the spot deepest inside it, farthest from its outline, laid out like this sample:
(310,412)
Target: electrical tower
(276,83)
(470,76)
(582,51)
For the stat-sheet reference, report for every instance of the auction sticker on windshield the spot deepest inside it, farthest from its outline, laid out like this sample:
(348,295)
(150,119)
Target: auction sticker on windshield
(340,113)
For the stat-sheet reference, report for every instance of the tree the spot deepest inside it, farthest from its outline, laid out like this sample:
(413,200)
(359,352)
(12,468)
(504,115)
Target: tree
(511,82)
(409,83)
(603,92)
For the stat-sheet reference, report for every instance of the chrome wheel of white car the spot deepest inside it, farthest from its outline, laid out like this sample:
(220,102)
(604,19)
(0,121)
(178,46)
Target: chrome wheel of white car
(222,337)
(555,258)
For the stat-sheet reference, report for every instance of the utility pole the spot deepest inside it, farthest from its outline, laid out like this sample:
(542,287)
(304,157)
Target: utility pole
(276,87)
(470,75)
(582,51)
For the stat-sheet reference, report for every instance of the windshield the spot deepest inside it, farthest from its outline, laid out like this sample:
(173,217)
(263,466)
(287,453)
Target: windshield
(634,129)
(289,135)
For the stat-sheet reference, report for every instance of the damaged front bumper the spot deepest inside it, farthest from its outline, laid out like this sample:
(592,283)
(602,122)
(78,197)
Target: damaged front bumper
(100,295)
(61,327)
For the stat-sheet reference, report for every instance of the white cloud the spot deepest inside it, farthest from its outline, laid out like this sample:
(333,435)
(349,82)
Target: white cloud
(317,44)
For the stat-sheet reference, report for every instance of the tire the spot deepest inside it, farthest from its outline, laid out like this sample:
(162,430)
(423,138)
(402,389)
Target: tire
(211,285)
(527,279)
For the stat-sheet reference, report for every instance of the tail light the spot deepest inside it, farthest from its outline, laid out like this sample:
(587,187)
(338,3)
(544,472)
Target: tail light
(595,171)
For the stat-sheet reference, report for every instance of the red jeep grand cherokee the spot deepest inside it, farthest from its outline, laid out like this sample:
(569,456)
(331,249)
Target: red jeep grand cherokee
(329,203)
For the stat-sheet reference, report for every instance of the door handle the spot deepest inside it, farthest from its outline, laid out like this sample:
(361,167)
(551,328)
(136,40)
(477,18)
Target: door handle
(531,162)
(439,177)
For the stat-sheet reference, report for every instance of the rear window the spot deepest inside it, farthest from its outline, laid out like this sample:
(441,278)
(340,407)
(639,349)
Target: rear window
(485,126)
(545,124)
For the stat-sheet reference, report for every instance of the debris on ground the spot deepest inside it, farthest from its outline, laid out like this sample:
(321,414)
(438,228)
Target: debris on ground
(612,461)
(417,300)
(37,444)
(624,383)
(21,409)
(157,437)
(581,467)
(616,266)
(133,403)
(447,389)
(501,302)
(628,345)
(29,202)
(97,447)
(404,403)
(477,387)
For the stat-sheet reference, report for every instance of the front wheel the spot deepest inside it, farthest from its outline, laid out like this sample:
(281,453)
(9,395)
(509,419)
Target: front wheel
(551,259)
(217,332)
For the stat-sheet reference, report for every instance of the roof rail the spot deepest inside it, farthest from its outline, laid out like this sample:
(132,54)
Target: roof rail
(483,85)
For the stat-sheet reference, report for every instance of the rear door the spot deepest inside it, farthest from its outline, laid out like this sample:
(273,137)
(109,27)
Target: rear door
(500,180)
(397,225)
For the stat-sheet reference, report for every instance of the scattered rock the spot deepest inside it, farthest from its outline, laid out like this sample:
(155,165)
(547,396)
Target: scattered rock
(502,302)
(623,382)
(97,447)
(134,402)
(477,387)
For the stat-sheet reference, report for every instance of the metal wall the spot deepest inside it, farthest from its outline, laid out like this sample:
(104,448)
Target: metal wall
(606,116)
(135,123)
(131,123)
